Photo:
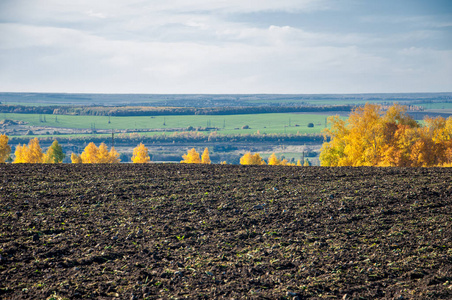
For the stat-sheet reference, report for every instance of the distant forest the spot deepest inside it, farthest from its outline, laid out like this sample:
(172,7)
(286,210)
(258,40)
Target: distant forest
(159,111)
(183,138)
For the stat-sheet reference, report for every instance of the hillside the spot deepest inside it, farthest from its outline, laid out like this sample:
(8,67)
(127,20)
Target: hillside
(180,231)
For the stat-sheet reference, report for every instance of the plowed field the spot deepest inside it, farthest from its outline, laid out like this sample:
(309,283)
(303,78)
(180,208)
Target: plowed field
(216,231)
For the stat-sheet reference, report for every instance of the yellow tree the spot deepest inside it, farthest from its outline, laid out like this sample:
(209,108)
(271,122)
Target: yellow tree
(140,154)
(192,157)
(371,137)
(76,159)
(251,159)
(54,154)
(29,154)
(365,139)
(35,155)
(20,155)
(94,155)
(440,130)
(5,149)
(332,152)
(273,160)
(205,158)
(114,156)
(103,156)
(90,154)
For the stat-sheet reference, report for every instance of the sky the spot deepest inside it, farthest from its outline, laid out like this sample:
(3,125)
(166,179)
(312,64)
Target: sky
(226,46)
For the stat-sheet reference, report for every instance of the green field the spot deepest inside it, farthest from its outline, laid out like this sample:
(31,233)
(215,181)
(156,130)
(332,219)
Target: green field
(437,106)
(324,101)
(228,124)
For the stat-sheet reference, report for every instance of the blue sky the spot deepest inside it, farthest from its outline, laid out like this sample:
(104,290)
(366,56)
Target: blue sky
(226,46)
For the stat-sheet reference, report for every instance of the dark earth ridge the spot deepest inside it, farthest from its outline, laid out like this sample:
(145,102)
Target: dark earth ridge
(176,231)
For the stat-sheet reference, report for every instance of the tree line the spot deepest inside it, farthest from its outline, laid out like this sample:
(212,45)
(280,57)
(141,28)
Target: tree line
(189,137)
(123,111)
(92,154)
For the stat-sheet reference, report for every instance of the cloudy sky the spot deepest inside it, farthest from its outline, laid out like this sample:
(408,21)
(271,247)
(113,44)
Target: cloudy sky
(226,46)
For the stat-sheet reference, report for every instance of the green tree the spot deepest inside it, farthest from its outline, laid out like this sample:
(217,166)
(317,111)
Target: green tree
(54,154)
(5,149)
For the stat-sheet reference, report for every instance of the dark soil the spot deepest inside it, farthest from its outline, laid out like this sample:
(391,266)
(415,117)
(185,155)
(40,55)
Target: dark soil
(212,231)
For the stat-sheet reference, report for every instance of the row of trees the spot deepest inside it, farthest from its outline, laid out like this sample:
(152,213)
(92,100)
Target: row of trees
(374,137)
(96,155)
(165,111)
(188,137)
(256,159)
(32,153)
(192,157)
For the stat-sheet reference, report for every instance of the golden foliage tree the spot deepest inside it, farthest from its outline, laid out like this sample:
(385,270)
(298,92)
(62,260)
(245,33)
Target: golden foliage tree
(114,156)
(373,137)
(90,154)
(54,154)
(205,157)
(251,159)
(94,155)
(30,153)
(274,161)
(76,159)
(5,149)
(141,154)
(192,157)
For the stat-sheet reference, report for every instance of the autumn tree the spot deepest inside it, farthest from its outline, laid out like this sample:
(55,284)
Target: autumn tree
(273,160)
(76,159)
(374,137)
(54,154)
(90,154)
(94,155)
(205,158)
(5,149)
(30,153)
(114,156)
(251,159)
(192,157)
(107,157)
(140,154)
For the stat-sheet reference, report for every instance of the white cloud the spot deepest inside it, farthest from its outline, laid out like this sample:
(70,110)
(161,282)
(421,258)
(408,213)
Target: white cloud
(195,47)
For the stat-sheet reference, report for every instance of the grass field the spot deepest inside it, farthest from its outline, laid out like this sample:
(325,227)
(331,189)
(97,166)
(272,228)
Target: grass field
(437,106)
(228,124)
(325,101)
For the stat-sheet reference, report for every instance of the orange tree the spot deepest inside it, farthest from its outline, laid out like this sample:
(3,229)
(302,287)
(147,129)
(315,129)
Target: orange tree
(374,137)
